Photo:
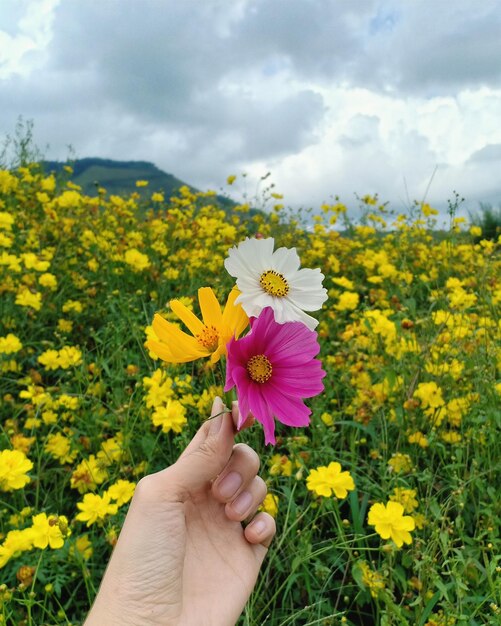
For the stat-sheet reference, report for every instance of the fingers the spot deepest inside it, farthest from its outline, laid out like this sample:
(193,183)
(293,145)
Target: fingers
(261,530)
(207,454)
(235,413)
(243,491)
(205,457)
(247,501)
(238,475)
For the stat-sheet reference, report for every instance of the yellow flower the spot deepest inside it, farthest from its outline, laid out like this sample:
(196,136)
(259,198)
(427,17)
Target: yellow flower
(329,480)
(59,447)
(49,183)
(430,395)
(342,281)
(428,210)
(72,306)
(15,541)
(400,463)
(209,337)
(111,450)
(121,491)
(327,419)
(371,579)
(88,474)
(419,438)
(69,356)
(68,402)
(6,220)
(49,417)
(13,467)
(48,531)
(65,326)
(26,298)
(95,508)
(33,262)
(270,504)
(172,416)
(137,260)
(83,545)
(49,359)
(48,280)
(347,301)
(10,344)
(159,387)
(280,465)
(406,497)
(22,443)
(451,436)
(391,523)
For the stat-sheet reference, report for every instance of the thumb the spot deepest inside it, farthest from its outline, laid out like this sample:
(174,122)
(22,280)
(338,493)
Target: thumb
(206,455)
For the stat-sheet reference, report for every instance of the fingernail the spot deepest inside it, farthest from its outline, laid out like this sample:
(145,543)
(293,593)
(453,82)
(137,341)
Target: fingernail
(215,422)
(258,526)
(230,484)
(242,503)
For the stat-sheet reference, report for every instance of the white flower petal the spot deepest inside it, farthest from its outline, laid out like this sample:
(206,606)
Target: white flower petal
(251,257)
(285,261)
(247,261)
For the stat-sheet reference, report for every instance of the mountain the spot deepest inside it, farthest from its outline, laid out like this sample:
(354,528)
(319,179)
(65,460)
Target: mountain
(119,177)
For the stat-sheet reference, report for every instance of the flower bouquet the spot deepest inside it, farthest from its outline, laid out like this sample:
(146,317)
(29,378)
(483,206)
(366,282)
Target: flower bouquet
(274,366)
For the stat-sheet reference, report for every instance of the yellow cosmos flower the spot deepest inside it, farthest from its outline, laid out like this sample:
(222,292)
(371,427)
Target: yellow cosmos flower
(391,523)
(172,416)
(49,531)
(121,491)
(208,337)
(15,541)
(330,480)
(406,497)
(270,504)
(14,466)
(10,344)
(94,508)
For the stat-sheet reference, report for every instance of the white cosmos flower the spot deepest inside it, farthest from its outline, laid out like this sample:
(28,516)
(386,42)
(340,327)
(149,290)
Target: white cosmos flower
(267,278)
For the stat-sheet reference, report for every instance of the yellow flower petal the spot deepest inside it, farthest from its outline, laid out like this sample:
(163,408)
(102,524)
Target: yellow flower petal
(211,310)
(235,318)
(194,325)
(179,347)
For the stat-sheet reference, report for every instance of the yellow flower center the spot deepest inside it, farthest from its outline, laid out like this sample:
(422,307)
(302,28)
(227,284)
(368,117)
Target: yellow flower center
(208,338)
(274,283)
(259,368)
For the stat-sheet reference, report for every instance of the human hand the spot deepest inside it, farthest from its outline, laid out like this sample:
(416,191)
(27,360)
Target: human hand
(183,556)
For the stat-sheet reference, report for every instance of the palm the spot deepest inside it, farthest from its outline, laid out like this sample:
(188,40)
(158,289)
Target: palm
(219,562)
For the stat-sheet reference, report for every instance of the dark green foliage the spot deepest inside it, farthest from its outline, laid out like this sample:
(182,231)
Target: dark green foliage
(489,220)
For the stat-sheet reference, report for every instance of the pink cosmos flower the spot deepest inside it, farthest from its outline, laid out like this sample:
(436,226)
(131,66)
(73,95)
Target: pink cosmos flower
(273,367)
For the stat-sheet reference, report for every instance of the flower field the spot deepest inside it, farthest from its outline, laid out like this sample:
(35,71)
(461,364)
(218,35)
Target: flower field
(387,504)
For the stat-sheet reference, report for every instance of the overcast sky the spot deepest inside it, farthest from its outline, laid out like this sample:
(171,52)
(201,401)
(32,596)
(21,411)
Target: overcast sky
(333,97)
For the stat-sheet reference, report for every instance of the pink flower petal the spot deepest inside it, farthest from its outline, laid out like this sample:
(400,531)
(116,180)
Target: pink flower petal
(262,412)
(296,373)
(305,381)
(288,410)
(293,340)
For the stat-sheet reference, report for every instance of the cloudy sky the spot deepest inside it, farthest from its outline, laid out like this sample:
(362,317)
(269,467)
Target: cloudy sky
(333,97)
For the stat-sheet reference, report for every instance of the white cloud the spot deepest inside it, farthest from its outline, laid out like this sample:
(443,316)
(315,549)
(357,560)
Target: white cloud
(25,33)
(332,97)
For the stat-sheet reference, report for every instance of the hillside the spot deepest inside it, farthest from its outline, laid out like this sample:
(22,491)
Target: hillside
(119,177)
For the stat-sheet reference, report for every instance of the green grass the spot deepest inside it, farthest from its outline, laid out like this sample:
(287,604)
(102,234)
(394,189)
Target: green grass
(428,311)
